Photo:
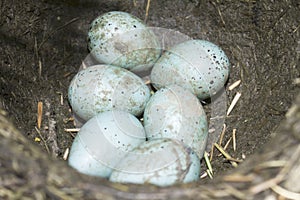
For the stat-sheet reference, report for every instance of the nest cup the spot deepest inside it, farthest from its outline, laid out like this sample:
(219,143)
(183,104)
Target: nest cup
(41,56)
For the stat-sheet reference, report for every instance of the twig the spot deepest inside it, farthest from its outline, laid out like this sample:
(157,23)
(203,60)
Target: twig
(83,65)
(222,134)
(227,143)
(235,160)
(72,129)
(61,98)
(147,10)
(226,155)
(239,178)
(234,139)
(43,139)
(285,193)
(204,175)
(234,85)
(66,154)
(40,68)
(264,185)
(294,31)
(279,177)
(40,114)
(208,164)
(209,174)
(233,103)
(211,152)
(270,164)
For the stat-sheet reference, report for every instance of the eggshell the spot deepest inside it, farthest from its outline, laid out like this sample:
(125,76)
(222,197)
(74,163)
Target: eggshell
(102,88)
(198,65)
(121,39)
(174,112)
(162,162)
(103,141)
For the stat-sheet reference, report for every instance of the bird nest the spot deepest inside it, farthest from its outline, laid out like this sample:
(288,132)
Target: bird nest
(43,44)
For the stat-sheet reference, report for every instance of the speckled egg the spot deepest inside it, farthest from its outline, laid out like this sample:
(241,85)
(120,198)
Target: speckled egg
(103,141)
(198,65)
(121,39)
(174,112)
(102,88)
(161,162)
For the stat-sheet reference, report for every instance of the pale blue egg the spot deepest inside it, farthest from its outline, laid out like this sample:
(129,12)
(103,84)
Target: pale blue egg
(103,141)
(174,112)
(123,40)
(161,162)
(102,88)
(198,65)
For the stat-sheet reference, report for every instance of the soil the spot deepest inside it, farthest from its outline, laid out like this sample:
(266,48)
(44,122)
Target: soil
(44,42)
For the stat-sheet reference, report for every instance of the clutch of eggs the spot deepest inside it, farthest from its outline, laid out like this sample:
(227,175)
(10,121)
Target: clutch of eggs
(108,97)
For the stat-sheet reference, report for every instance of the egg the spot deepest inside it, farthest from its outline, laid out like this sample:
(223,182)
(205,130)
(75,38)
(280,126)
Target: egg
(102,88)
(161,162)
(103,141)
(198,65)
(174,112)
(121,39)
